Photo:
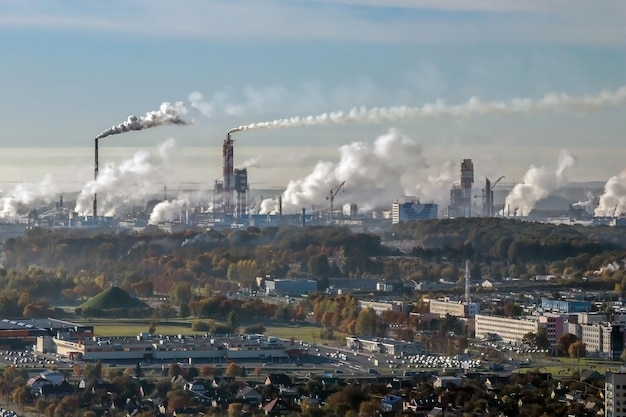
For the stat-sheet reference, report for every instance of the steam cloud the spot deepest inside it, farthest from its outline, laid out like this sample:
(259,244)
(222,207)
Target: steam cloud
(550,102)
(168,210)
(22,197)
(538,183)
(375,174)
(167,114)
(613,200)
(131,182)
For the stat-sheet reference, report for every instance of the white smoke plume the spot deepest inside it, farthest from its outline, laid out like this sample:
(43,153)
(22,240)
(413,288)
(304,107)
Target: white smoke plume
(589,204)
(167,114)
(613,200)
(550,102)
(22,197)
(538,183)
(131,182)
(376,174)
(167,211)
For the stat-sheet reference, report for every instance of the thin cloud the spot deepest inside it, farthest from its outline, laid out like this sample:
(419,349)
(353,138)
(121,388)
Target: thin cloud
(535,21)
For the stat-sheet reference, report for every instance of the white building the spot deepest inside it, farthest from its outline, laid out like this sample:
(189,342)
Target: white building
(453,308)
(615,394)
(509,329)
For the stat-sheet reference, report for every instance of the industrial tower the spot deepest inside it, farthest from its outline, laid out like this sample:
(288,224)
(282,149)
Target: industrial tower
(467,179)
(233,180)
(228,175)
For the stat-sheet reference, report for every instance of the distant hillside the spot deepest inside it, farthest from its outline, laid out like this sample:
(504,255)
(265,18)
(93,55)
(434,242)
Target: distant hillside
(113,298)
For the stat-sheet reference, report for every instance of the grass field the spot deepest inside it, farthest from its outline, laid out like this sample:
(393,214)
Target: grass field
(130,327)
(306,333)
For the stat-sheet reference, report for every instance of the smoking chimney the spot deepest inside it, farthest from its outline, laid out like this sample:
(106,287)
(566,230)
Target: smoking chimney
(95,177)
(228,173)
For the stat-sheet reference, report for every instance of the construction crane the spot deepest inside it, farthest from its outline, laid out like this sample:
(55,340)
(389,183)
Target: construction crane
(331,197)
(491,209)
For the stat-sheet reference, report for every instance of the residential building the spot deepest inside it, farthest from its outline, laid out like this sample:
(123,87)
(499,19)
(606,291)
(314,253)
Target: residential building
(615,394)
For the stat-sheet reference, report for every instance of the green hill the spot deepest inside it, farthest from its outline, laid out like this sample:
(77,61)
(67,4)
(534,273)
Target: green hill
(113,298)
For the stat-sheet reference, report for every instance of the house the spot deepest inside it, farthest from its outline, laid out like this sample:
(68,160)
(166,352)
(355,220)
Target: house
(222,382)
(391,403)
(279,380)
(276,407)
(447,382)
(195,386)
(178,381)
(487,284)
(250,395)
(58,391)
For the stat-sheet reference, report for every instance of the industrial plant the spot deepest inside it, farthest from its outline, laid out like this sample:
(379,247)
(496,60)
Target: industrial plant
(372,185)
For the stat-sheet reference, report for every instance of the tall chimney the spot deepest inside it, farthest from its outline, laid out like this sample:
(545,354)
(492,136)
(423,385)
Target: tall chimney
(95,177)
(303,217)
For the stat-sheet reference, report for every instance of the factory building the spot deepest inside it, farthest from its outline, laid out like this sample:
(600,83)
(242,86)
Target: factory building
(461,198)
(413,210)
(294,288)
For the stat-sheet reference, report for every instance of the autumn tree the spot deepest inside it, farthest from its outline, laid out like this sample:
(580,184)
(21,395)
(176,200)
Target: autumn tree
(234,370)
(234,409)
(564,343)
(19,397)
(577,350)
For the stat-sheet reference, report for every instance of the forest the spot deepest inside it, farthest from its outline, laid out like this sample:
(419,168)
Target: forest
(71,265)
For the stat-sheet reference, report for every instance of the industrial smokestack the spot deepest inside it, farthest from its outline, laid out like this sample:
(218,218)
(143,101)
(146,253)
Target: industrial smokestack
(95,178)
(167,114)
(550,102)
(303,217)
(467,179)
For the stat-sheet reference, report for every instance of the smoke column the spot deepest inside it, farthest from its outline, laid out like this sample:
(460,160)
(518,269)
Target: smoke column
(538,183)
(130,182)
(167,114)
(375,174)
(613,200)
(550,102)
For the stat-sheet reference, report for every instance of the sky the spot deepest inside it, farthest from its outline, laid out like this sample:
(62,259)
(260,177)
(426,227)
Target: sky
(70,69)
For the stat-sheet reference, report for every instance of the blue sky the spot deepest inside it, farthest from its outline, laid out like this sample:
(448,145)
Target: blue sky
(70,69)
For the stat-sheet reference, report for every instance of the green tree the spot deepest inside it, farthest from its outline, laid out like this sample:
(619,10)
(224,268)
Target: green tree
(166,310)
(232,319)
(366,322)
